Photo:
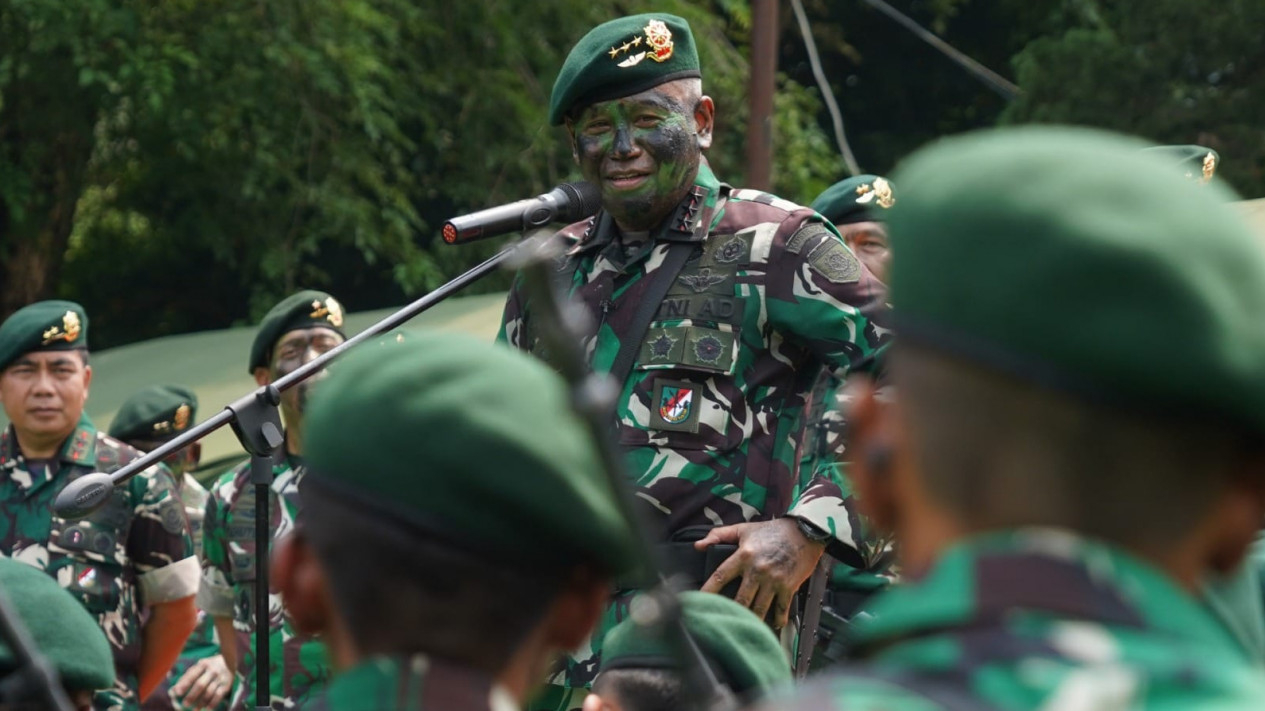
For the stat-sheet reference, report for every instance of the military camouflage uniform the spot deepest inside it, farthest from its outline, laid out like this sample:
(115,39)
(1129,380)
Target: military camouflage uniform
(416,683)
(1038,619)
(132,553)
(299,666)
(202,642)
(710,416)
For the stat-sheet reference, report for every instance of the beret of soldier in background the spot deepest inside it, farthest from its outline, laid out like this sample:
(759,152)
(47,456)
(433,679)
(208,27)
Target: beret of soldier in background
(641,672)
(155,414)
(1195,162)
(624,57)
(508,413)
(861,198)
(61,628)
(1128,324)
(306,309)
(43,326)
(454,511)
(1078,438)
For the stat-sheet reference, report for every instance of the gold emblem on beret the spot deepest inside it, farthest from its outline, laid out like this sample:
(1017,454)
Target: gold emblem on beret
(659,37)
(1209,166)
(658,45)
(330,310)
(883,190)
(181,418)
(68,331)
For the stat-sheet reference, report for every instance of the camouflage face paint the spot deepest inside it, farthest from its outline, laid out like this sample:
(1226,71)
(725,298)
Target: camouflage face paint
(642,151)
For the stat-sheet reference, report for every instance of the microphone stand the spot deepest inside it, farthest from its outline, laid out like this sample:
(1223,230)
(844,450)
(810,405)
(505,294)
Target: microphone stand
(256,421)
(594,397)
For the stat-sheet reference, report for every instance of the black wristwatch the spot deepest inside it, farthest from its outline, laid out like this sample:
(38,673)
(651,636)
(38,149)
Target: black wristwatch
(812,531)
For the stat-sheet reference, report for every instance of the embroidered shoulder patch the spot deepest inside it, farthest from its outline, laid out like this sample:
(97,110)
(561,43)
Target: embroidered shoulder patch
(833,260)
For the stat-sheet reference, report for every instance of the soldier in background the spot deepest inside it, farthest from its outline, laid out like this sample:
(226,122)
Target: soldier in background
(457,530)
(147,420)
(641,672)
(715,309)
(131,562)
(296,330)
(1075,441)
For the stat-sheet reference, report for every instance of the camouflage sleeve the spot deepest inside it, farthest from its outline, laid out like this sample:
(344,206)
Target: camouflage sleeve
(215,594)
(159,543)
(819,296)
(513,318)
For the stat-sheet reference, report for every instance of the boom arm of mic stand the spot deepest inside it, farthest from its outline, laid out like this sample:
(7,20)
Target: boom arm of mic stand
(594,398)
(87,493)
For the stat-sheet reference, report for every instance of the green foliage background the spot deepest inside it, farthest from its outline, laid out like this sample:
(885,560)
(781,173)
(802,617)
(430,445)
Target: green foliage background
(181,165)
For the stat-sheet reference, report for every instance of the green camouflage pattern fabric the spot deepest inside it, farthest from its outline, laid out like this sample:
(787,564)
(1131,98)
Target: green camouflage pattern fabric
(412,683)
(711,416)
(299,665)
(133,552)
(202,642)
(1037,619)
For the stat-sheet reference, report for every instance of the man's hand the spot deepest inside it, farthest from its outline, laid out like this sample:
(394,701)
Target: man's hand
(773,559)
(205,684)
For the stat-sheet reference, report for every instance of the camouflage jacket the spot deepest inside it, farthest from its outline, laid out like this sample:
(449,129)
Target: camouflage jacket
(202,642)
(416,683)
(133,552)
(711,414)
(298,664)
(1038,619)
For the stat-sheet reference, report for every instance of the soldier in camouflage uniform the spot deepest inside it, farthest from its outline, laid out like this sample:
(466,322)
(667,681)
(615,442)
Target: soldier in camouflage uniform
(453,538)
(714,395)
(132,559)
(296,330)
(148,419)
(1062,472)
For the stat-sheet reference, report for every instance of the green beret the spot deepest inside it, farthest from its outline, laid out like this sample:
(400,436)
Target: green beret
(739,645)
(862,198)
(306,309)
(473,442)
(1063,256)
(1195,162)
(61,628)
(621,58)
(155,414)
(43,326)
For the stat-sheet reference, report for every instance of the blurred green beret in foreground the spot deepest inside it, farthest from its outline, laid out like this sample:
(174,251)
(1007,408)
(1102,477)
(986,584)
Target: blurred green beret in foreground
(621,58)
(155,414)
(43,326)
(472,441)
(861,198)
(1195,162)
(1064,256)
(740,645)
(306,309)
(61,628)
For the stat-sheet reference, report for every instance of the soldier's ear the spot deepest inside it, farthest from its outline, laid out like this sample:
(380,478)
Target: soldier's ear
(705,121)
(870,451)
(300,578)
(262,376)
(576,609)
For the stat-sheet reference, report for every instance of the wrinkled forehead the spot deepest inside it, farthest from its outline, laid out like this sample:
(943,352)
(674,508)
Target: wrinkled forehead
(299,335)
(678,96)
(50,358)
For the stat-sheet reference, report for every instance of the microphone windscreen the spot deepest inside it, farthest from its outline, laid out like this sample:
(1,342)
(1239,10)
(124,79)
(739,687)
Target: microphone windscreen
(583,200)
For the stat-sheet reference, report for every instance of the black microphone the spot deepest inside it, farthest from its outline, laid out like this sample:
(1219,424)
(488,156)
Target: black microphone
(569,202)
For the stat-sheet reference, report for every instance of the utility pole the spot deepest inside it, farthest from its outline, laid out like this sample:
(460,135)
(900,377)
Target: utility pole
(760,90)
